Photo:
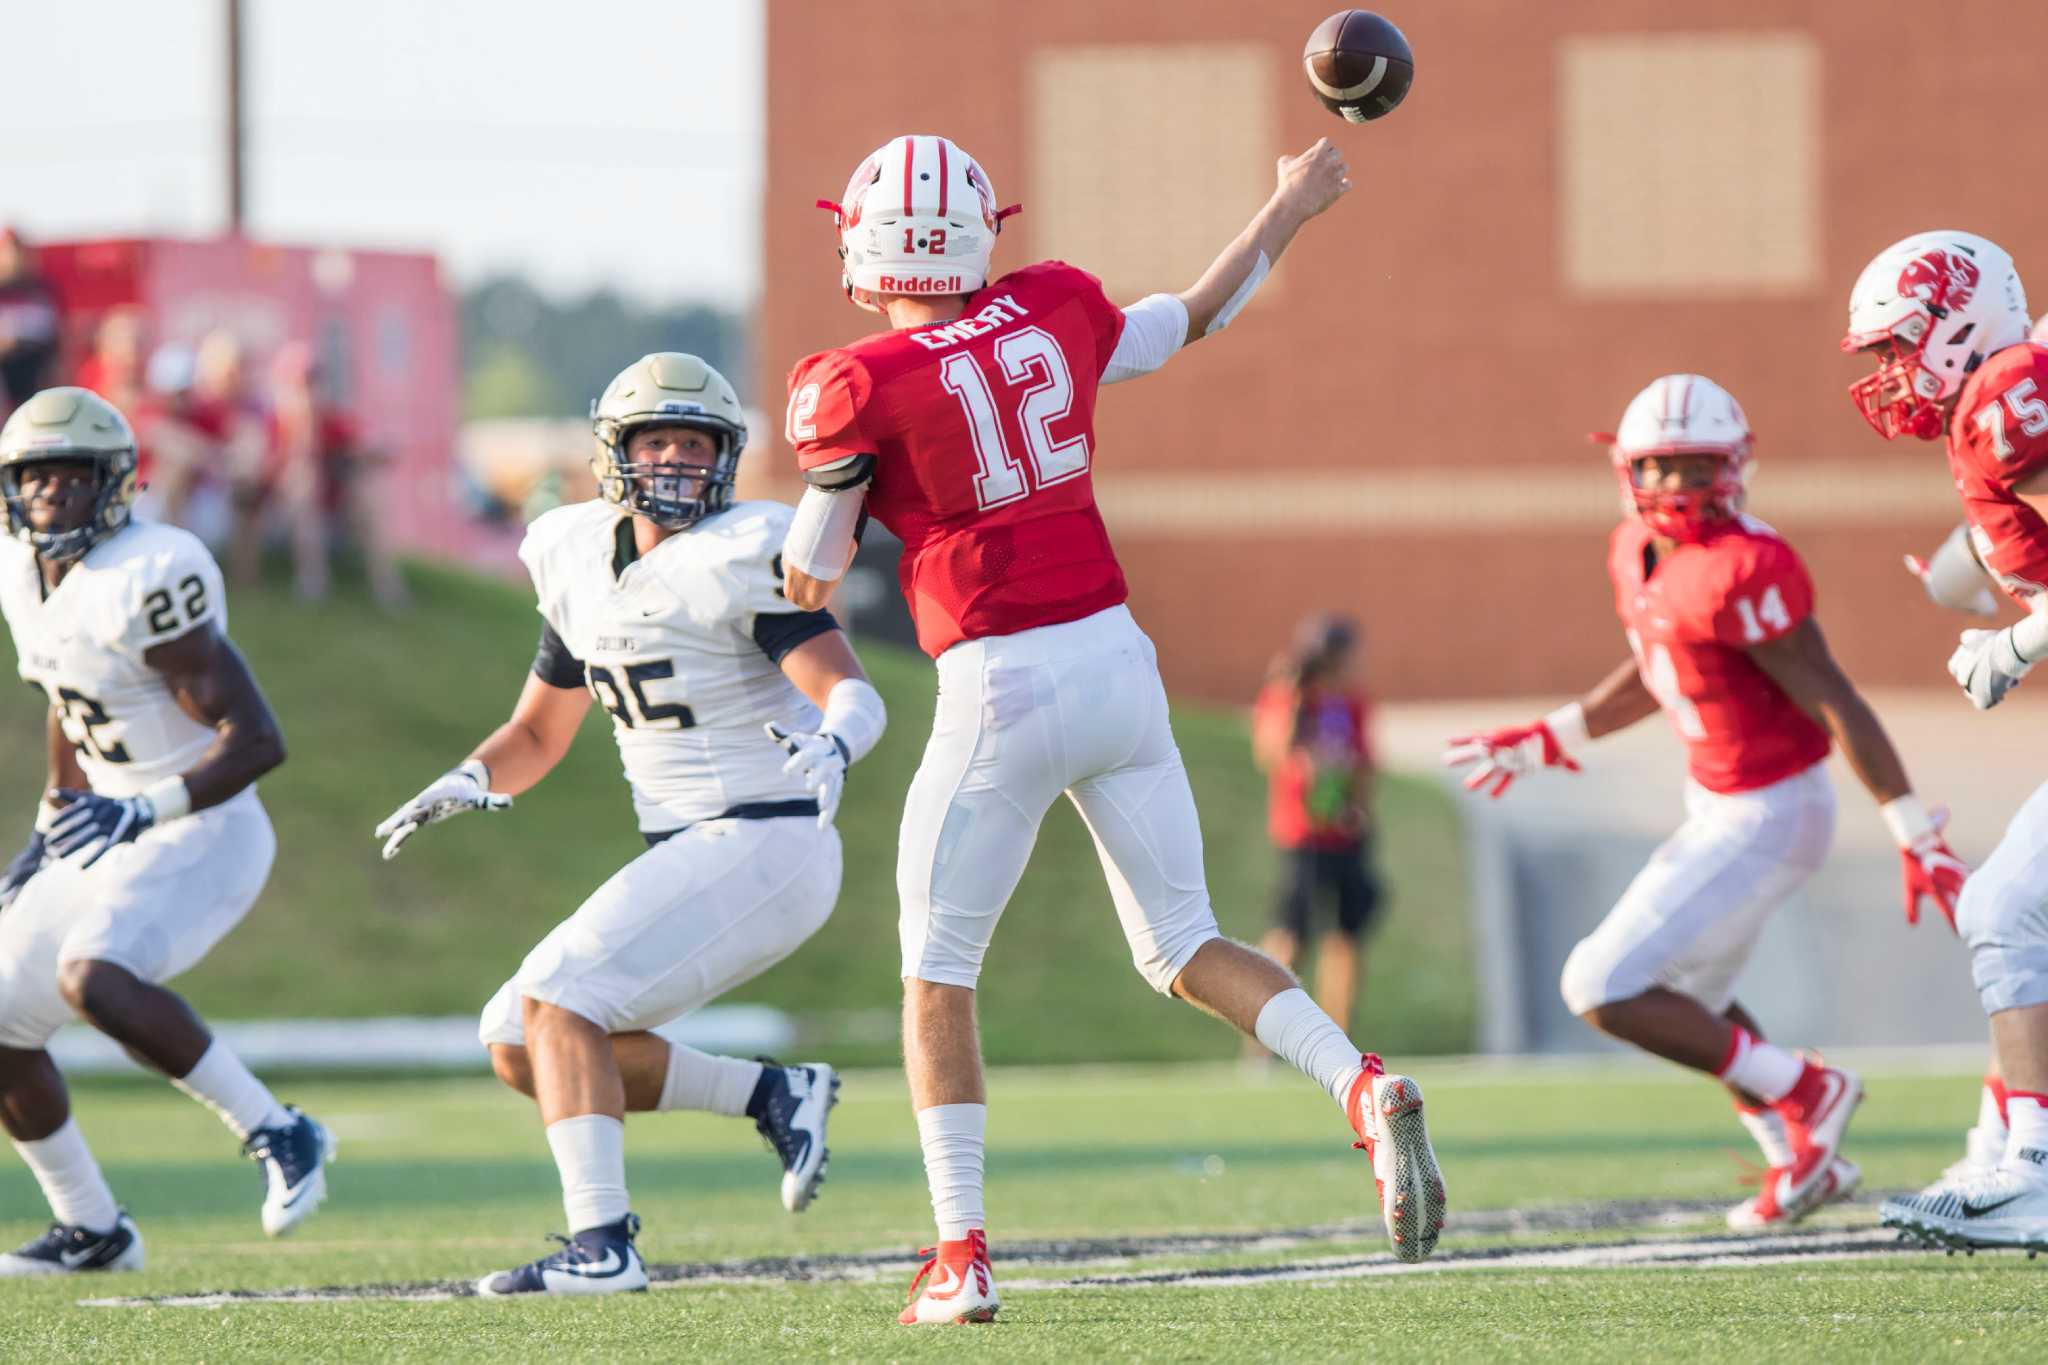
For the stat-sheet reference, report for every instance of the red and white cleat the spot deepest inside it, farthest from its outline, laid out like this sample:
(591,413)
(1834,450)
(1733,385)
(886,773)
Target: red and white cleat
(1762,1211)
(958,1284)
(1386,1113)
(1816,1115)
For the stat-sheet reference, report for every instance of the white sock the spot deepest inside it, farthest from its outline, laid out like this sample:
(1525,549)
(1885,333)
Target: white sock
(699,1080)
(590,1152)
(952,1137)
(2026,1137)
(1763,1069)
(1990,1111)
(1767,1126)
(1295,1028)
(229,1089)
(71,1179)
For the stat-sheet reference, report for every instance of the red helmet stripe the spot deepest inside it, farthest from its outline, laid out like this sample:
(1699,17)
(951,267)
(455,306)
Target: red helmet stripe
(909,159)
(942,176)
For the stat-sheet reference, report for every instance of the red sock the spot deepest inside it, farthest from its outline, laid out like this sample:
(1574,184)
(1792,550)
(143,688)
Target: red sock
(2000,1094)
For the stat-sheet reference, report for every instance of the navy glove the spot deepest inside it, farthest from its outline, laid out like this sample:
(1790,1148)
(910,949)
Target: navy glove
(91,821)
(26,864)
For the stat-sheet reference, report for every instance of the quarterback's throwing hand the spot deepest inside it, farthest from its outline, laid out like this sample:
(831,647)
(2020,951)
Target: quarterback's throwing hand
(1498,757)
(1987,665)
(1314,180)
(820,760)
(452,793)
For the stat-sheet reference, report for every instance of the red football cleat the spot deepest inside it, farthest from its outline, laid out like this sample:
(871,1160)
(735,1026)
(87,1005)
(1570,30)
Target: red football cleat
(958,1284)
(1386,1113)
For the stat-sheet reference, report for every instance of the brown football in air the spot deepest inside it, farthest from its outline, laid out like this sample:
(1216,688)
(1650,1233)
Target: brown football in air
(1358,64)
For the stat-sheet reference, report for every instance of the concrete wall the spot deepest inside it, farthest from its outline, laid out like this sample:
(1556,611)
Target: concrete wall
(1576,197)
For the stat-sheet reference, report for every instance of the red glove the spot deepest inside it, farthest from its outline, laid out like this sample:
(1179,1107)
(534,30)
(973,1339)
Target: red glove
(1927,865)
(1498,757)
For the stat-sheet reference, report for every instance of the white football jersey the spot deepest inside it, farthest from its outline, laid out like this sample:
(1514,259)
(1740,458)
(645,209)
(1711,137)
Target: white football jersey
(83,645)
(668,647)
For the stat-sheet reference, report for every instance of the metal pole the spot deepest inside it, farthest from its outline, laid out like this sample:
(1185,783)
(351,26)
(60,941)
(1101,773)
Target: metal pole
(237,192)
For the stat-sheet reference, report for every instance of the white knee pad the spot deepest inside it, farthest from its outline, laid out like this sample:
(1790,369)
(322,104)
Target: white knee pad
(1162,953)
(2005,923)
(503,1019)
(1588,979)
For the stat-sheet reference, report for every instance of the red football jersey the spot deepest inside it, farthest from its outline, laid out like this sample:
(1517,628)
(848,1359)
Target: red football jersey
(983,433)
(1998,438)
(1691,623)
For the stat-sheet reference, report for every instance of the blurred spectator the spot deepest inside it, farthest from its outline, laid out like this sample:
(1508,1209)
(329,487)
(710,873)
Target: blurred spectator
(114,369)
(183,449)
(317,477)
(28,323)
(1312,736)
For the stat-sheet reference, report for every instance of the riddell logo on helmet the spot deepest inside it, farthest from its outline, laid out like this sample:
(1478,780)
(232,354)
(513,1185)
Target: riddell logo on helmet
(944,284)
(1940,279)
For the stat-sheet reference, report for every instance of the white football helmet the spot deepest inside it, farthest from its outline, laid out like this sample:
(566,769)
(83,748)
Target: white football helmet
(919,217)
(62,425)
(1684,414)
(1933,305)
(667,389)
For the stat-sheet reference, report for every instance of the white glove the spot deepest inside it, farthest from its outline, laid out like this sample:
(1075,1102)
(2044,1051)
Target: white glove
(1988,665)
(820,760)
(452,793)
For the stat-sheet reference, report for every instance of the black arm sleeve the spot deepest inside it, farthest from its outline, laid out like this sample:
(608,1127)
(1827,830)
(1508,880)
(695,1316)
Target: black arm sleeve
(851,473)
(777,633)
(553,664)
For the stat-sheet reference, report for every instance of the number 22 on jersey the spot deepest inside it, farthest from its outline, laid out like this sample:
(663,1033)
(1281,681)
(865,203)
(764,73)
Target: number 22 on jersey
(1031,358)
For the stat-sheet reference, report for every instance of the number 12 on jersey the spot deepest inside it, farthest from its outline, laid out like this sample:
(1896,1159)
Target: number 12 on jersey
(1029,355)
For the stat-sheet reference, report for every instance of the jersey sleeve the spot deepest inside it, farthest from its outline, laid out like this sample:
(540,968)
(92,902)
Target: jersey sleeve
(174,588)
(2003,425)
(1105,319)
(1764,595)
(826,395)
(754,583)
(538,552)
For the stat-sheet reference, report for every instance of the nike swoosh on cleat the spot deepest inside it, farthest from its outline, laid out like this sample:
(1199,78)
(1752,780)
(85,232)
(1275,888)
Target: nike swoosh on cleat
(1979,1210)
(946,1290)
(613,1264)
(74,1259)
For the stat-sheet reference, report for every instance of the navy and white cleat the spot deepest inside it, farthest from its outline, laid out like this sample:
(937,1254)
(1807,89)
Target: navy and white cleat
(599,1260)
(790,1110)
(68,1250)
(294,1160)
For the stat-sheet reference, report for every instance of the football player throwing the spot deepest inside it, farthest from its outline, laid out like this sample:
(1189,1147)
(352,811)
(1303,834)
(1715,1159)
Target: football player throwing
(1944,316)
(150,845)
(736,716)
(1718,611)
(968,431)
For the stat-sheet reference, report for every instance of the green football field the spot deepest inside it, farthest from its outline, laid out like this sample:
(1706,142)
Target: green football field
(1183,1213)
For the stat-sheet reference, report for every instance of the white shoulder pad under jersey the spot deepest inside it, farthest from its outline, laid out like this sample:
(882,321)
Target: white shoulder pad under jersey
(669,649)
(735,573)
(86,645)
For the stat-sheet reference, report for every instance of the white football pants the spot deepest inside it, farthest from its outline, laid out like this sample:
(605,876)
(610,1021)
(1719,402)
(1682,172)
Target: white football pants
(154,907)
(2003,913)
(1075,708)
(702,911)
(1691,917)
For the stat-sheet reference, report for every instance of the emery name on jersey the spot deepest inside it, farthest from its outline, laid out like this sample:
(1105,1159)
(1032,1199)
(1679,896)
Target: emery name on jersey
(983,431)
(1691,624)
(682,648)
(1998,438)
(83,643)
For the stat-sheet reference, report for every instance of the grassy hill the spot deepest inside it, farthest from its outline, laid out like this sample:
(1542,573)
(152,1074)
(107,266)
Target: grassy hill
(373,708)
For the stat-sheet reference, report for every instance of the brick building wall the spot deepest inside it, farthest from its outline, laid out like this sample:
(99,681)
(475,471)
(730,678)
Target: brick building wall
(1576,197)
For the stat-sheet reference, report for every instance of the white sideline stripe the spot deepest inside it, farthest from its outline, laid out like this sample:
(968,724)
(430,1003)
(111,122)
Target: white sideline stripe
(436,1044)
(1831,492)
(1679,1253)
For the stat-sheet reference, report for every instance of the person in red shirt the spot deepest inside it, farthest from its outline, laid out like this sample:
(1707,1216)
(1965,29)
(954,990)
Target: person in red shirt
(968,430)
(1718,611)
(1312,736)
(1944,316)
